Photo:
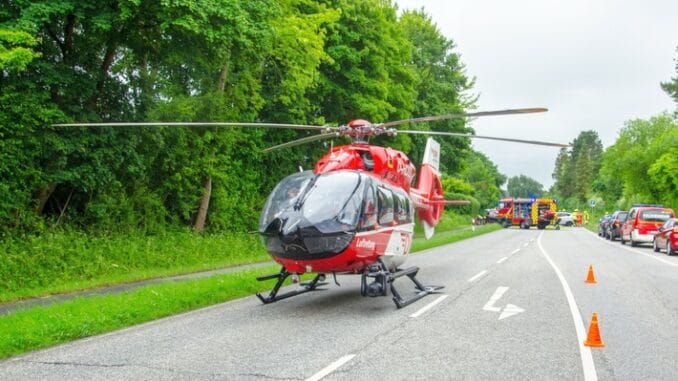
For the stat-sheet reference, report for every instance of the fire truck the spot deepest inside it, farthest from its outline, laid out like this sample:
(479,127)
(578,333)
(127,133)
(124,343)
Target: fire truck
(526,212)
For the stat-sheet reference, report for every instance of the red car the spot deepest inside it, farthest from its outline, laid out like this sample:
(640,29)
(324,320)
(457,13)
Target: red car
(667,238)
(643,223)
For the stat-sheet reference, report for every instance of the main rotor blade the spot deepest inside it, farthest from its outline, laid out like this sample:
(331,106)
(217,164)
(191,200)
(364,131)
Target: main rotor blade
(465,115)
(194,124)
(536,142)
(301,141)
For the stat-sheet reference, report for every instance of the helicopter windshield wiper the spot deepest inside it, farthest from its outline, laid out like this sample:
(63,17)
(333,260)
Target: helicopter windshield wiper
(302,197)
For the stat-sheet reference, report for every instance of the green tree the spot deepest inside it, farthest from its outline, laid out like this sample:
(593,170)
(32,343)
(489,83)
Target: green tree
(637,167)
(524,186)
(671,87)
(485,179)
(16,50)
(577,168)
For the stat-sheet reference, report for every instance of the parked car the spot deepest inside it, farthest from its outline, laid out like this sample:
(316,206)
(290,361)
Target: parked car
(564,219)
(617,220)
(643,223)
(603,225)
(667,237)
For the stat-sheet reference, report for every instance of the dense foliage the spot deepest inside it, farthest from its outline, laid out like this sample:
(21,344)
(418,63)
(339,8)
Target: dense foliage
(524,186)
(479,182)
(640,167)
(576,168)
(286,61)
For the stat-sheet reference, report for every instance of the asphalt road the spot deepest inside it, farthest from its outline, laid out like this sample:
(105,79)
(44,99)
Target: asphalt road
(515,306)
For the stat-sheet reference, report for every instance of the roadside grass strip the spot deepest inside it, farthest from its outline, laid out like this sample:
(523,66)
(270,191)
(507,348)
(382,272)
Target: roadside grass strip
(451,236)
(64,262)
(40,327)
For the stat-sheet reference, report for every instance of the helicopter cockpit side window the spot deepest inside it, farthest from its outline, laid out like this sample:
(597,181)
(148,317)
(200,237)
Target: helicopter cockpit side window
(385,197)
(368,219)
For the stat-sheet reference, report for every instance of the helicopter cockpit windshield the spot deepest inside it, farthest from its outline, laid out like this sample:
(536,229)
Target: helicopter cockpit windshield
(284,196)
(328,202)
(332,204)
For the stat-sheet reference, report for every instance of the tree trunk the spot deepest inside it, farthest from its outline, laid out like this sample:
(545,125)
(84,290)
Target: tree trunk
(223,77)
(43,195)
(103,73)
(199,225)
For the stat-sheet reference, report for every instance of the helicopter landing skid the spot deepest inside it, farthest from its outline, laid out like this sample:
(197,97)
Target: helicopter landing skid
(281,276)
(382,276)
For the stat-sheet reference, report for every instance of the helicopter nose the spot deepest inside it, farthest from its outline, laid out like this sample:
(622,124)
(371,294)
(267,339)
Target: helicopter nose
(273,227)
(290,227)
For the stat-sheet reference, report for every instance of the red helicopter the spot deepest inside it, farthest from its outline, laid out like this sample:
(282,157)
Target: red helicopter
(354,213)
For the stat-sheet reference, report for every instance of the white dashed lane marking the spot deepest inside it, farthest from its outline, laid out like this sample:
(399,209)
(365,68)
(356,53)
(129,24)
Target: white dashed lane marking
(473,278)
(330,368)
(428,306)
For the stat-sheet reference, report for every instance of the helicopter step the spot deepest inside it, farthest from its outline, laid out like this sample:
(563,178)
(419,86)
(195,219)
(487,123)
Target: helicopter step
(382,276)
(281,277)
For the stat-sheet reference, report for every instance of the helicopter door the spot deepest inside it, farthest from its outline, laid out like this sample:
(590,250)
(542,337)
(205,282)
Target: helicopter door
(368,217)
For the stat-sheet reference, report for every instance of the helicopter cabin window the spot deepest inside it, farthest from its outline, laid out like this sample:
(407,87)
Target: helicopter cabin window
(402,207)
(369,216)
(385,197)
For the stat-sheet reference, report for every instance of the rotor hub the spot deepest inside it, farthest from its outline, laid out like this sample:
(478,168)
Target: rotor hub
(359,129)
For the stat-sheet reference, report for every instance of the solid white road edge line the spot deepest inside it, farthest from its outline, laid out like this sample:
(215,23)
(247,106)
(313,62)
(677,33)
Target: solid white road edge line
(473,278)
(330,368)
(502,260)
(428,306)
(585,352)
(638,252)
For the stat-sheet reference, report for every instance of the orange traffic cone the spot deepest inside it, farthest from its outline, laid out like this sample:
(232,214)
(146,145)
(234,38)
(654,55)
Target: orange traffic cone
(593,339)
(590,278)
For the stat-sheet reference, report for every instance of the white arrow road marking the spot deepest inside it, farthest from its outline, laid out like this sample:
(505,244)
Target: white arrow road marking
(493,299)
(508,311)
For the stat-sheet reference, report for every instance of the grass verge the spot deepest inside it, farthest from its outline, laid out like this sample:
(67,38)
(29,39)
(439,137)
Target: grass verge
(67,261)
(39,327)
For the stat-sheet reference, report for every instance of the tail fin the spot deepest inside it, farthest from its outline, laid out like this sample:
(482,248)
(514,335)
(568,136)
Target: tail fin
(428,195)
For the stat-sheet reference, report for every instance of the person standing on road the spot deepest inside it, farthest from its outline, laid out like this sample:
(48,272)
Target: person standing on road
(577,217)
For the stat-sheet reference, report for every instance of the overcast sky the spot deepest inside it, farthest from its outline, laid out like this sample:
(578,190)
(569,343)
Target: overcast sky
(594,64)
